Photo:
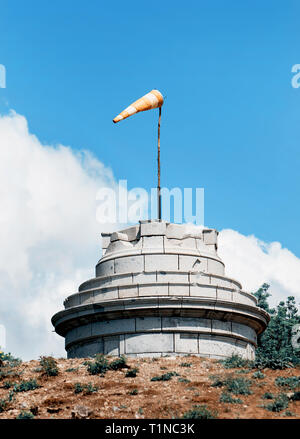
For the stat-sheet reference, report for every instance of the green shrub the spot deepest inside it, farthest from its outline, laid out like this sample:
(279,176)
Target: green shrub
(227,398)
(199,412)
(99,366)
(183,380)
(25,415)
(289,382)
(234,361)
(280,403)
(86,388)
(165,377)
(237,386)
(134,392)
(72,369)
(78,388)
(118,363)
(3,405)
(9,373)
(288,413)
(49,366)
(218,382)
(9,360)
(268,395)
(185,364)
(8,384)
(25,386)
(89,388)
(131,373)
(258,375)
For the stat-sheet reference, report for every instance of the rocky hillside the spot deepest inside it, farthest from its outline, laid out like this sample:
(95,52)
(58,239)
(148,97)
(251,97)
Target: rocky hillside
(146,388)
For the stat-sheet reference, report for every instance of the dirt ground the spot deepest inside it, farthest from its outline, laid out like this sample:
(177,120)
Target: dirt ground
(130,398)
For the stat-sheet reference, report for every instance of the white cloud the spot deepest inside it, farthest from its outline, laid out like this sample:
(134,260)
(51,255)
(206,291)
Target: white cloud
(253,262)
(50,238)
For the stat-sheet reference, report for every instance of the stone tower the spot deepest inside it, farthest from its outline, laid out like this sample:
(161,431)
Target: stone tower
(160,289)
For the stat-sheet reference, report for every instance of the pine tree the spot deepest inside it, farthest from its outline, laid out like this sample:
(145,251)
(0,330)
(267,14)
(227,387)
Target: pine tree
(275,349)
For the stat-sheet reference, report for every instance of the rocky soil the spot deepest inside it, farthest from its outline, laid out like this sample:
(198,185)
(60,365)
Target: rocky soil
(116,396)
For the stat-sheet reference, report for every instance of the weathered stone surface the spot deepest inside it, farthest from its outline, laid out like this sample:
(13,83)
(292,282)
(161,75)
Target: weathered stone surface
(156,342)
(160,289)
(162,262)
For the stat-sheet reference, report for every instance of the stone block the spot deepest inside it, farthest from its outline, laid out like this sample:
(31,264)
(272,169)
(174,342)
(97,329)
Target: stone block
(121,279)
(84,331)
(105,240)
(221,281)
(153,228)
(105,268)
(210,236)
(129,264)
(161,262)
(244,331)
(73,300)
(192,263)
(216,346)
(132,232)
(118,247)
(153,290)
(200,278)
(118,236)
(85,298)
(86,350)
(215,267)
(176,231)
(211,248)
(223,294)
(186,343)
(172,277)
(112,345)
(222,327)
(239,297)
(144,278)
(105,294)
(71,336)
(201,246)
(179,290)
(128,291)
(186,324)
(153,244)
(145,324)
(147,343)
(113,327)
(205,291)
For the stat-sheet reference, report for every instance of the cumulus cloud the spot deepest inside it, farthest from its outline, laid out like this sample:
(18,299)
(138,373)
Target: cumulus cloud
(50,238)
(49,235)
(253,262)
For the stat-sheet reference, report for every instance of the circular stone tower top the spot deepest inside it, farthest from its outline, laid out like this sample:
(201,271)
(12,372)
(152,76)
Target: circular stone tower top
(160,289)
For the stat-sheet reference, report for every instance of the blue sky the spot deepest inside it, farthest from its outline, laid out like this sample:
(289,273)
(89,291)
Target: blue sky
(230,122)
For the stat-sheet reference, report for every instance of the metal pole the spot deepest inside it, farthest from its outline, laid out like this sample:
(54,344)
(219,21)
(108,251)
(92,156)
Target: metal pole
(158,169)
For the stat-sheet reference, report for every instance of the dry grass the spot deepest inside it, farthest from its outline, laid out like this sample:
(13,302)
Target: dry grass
(154,399)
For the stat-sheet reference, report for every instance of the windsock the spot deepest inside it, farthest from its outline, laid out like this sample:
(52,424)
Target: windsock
(153,99)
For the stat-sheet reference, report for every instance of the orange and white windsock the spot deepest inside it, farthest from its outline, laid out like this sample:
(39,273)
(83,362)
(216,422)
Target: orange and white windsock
(153,99)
